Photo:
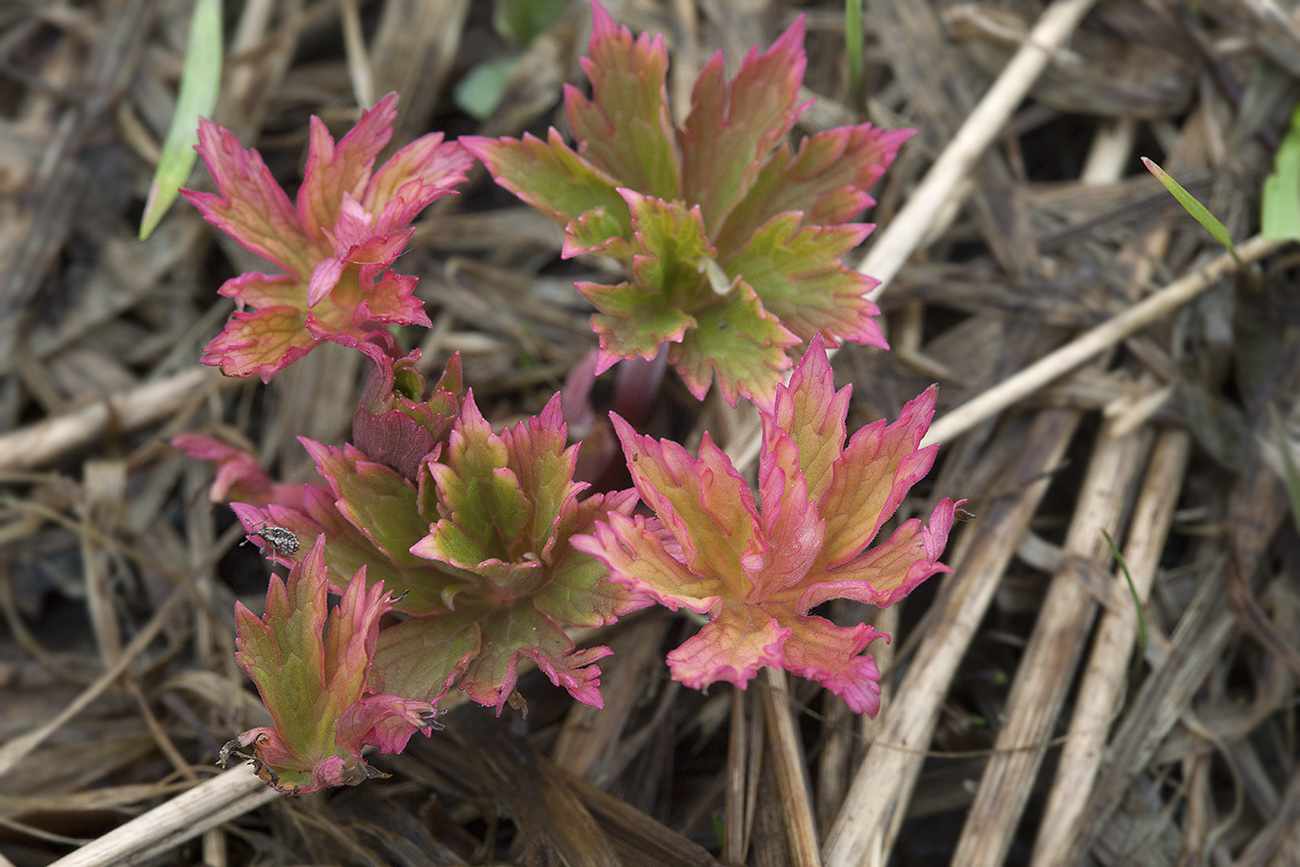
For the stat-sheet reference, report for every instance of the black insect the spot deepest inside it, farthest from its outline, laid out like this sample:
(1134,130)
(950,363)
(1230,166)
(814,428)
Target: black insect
(279,539)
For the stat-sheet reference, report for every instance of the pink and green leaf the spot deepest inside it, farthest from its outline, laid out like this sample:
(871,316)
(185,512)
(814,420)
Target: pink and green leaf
(250,206)
(311,666)
(799,277)
(758,571)
(333,170)
(336,245)
(703,501)
(625,127)
(520,631)
(732,647)
(698,197)
(811,413)
(262,343)
(827,180)
(886,573)
(550,176)
(740,343)
(882,462)
(733,126)
(819,650)
(374,499)
(637,557)
(633,323)
(424,656)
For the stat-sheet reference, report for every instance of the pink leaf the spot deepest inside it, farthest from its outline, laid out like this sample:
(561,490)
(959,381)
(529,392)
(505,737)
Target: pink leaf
(337,245)
(757,572)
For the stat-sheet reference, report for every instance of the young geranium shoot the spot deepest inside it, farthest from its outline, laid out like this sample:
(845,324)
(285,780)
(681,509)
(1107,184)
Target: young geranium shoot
(731,240)
(471,536)
(312,666)
(335,244)
(757,572)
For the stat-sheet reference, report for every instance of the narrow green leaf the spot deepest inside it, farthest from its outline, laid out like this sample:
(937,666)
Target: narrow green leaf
(1280,212)
(1196,209)
(853,39)
(198,94)
(1137,603)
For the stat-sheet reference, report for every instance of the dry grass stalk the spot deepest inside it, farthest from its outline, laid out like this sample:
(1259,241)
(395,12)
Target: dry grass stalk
(1151,309)
(874,808)
(1054,648)
(221,799)
(915,221)
(1105,673)
(788,766)
(54,438)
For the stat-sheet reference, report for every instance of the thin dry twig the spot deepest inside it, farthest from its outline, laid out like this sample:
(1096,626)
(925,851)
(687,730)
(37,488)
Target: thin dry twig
(47,441)
(1054,365)
(1105,673)
(917,219)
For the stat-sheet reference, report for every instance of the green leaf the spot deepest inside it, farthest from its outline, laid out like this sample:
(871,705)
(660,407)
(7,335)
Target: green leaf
(480,92)
(742,343)
(1137,602)
(198,94)
(733,126)
(1280,213)
(1192,206)
(524,20)
(550,176)
(422,657)
(625,127)
(798,276)
(853,39)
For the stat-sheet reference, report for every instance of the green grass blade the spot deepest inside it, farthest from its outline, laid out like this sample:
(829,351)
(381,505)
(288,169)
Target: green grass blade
(1137,603)
(198,94)
(1280,212)
(1198,211)
(853,51)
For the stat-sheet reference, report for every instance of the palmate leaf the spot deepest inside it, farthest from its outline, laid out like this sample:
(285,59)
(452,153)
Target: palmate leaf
(731,240)
(758,569)
(507,509)
(335,243)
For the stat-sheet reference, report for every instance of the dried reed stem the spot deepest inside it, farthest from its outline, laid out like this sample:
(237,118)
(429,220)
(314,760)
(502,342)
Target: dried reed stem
(916,220)
(1044,674)
(1105,675)
(1088,344)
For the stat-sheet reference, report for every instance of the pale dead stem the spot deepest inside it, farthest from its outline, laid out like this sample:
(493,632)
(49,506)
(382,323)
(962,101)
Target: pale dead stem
(792,783)
(49,440)
(951,171)
(1041,681)
(225,797)
(1056,364)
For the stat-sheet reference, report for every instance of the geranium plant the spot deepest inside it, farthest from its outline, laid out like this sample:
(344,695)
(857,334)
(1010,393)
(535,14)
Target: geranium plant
(732,241)
(457,551)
